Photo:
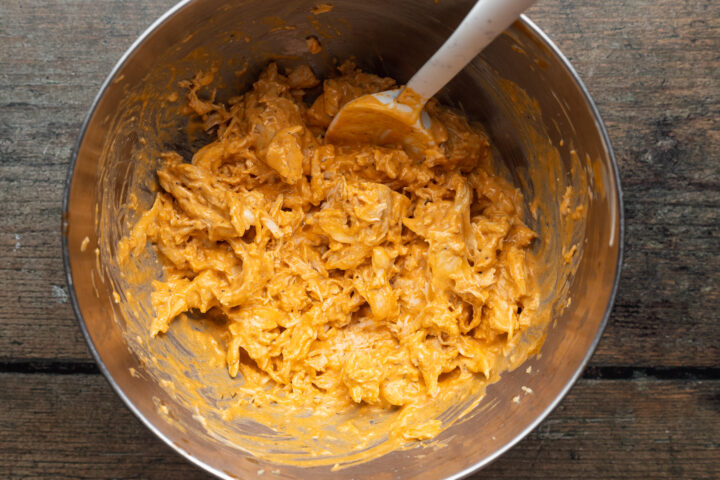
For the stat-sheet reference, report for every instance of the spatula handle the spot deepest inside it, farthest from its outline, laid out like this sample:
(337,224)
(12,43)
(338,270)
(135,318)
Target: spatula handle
(486,20)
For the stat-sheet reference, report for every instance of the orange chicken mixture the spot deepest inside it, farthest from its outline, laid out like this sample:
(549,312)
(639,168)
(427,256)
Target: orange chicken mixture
(345,274)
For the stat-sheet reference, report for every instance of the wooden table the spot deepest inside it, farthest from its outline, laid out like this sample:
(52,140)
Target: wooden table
(647,407)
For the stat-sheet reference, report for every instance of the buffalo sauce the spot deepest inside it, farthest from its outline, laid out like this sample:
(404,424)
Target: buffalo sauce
(343,275)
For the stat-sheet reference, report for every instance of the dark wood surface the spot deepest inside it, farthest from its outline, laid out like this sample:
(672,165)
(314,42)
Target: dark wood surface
(647,407)
(587,436)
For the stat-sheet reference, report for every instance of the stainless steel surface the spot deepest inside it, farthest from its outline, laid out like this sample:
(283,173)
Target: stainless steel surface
(367,31)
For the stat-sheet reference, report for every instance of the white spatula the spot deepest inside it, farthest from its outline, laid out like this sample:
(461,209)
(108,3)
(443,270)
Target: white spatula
(396,117)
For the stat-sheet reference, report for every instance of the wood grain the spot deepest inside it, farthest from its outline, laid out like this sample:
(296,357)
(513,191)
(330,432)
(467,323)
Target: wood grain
(652,67)
(55,55)
(74,426)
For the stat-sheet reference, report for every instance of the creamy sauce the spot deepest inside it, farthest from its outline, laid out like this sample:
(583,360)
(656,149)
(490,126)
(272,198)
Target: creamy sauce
(321,8)
(335,280)
(313,45)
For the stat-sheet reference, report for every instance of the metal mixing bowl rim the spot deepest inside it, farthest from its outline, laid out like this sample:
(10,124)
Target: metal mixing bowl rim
(618,266)
(467,471)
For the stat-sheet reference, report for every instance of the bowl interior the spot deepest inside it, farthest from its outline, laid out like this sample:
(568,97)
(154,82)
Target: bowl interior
(547,137)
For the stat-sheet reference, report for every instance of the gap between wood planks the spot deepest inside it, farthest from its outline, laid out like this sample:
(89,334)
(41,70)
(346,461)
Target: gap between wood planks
(55,367)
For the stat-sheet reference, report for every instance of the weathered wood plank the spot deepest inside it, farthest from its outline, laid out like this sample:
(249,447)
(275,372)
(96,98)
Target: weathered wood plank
(55,55)
(74,426)
(651,66)
(623,430)
(654,72)
(54,426)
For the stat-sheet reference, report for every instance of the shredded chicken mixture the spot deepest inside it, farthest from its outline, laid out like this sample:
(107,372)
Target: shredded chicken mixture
(345,274)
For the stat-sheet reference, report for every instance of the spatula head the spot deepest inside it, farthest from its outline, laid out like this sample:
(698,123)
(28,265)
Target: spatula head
(380,119)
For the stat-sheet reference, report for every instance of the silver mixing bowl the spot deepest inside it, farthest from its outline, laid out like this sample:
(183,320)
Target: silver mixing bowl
(390,38)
